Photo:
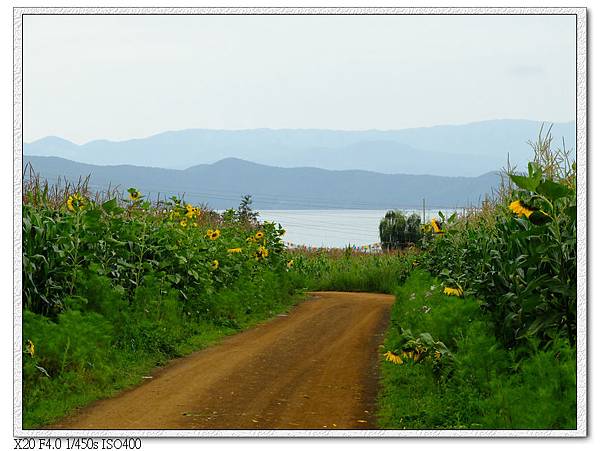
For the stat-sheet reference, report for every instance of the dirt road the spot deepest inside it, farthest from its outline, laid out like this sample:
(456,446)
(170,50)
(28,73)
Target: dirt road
(312,369)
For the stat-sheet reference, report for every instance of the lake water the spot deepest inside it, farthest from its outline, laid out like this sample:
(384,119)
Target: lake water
(334,228)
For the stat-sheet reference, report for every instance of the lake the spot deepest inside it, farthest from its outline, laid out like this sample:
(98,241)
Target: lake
(334,228)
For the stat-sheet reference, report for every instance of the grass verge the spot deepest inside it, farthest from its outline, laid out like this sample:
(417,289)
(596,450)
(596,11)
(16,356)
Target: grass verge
(479,384)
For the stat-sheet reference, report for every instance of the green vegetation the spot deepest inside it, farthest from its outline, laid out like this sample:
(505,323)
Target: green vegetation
(112,288)
(352,271)
(482,334)
(490,343)
(474,382)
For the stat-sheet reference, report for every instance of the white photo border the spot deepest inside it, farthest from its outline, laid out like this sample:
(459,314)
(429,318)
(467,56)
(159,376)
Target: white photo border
(582,291)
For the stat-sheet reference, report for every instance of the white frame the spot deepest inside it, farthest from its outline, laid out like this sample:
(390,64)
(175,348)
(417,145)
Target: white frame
(581,129)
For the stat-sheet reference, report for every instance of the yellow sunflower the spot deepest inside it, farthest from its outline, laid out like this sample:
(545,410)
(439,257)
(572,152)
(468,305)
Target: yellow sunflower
(190,211)
(75,201)
(215,234)
(394,358)
(458,292)
(436,226)
(259,235)
(214,264)
(30,348)
(183,223)
(290,264)
(518,208)
(134,194)
(235,250)
(262,252)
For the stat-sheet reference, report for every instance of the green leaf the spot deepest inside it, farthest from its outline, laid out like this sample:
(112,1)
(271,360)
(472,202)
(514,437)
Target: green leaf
(538,217)
(553,190)
(527,183)
(110,205)
(535,171)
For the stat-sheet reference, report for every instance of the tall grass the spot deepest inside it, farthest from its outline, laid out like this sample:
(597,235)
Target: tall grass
(348,271)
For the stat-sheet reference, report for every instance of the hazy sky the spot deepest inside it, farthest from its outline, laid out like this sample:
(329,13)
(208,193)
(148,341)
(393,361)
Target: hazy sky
(120,77)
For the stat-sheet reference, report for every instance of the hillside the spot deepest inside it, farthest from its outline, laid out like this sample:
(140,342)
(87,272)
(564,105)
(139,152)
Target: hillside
(221,184)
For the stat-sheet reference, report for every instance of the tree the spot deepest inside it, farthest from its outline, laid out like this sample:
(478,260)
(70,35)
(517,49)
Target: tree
(244,213)
(396,231)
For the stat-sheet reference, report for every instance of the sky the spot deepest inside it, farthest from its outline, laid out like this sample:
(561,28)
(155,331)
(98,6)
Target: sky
(122,77)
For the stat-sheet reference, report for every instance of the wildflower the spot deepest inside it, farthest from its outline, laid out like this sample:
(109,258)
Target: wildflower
(235,250)
(290,264)
(75,201)
(183,223)
(453,291)
(134,194)
(250,239)
(30,348)
(436,226)
(209,232)
(214,264)
(518,208)
(437,355)
(394,358)
(259,235)
(214,234)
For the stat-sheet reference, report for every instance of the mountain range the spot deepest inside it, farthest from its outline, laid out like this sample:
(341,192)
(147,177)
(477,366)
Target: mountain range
(220,185)
(445,150)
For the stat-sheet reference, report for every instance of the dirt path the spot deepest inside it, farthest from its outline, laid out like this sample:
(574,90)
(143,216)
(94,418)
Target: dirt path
(315,368)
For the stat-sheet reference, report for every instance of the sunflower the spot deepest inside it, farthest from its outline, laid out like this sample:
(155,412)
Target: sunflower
(75,201)
(520,209)
(134,194)
(290,264)
(190,211)
(437,355)
(394,358)
(436,226)
(262,252)
(250,239)
(183,223)
(453,291)
(30,348)
(214,234)
(235,250)
(214,264)
(259,235)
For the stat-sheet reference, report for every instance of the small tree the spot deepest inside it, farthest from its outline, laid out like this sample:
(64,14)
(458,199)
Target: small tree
(396,231)
(244,213)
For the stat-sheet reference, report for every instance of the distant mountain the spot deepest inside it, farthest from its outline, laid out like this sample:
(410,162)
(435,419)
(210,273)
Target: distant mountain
(465,150)
(221,184)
